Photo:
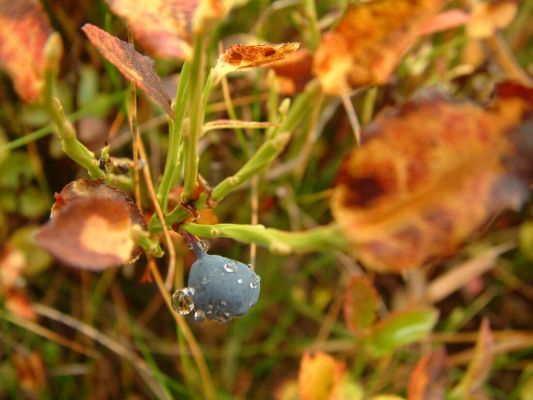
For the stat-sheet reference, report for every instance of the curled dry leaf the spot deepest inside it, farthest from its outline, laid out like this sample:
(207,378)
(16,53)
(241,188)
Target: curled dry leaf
(319,376)
(163,27)
(431,173)
(242,56)
(91,227)
(136,67)
(24,30)
(369,41)
(360,304)
(427,381)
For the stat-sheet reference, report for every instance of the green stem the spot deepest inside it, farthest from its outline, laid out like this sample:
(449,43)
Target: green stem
(142,238)
(324,238)
(90,109)
(272,147)
(314,30)
(172,165)
(196,112)
(70,143)
(268,151)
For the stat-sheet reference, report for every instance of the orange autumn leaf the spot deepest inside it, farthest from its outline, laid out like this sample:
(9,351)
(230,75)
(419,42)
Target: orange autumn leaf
(319,376)
(427,381)
(134,66)
(428,175)
(24,30)
(487,17)
(369,41)
(90,227)
(242,56)
(294,72)
(163,27)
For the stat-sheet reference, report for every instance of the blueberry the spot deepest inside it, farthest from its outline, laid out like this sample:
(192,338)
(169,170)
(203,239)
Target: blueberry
(222,288)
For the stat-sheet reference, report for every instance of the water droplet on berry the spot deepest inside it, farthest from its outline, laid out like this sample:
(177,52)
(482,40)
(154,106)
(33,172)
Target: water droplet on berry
(223,303)
(204,246)
(229,267)
(255,282)
(199,316)
(239,281)
(182,300)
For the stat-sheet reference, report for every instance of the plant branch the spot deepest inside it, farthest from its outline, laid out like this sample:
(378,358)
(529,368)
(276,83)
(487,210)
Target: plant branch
(324,238)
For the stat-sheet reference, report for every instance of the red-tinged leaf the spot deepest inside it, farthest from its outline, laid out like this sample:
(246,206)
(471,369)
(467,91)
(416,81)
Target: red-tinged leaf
(399,329)
(92,230)
(369,41)
(24,30)
(242,56)
(445,20)
(294,72)
(134,66)
(360,304)
(429,174)
(319,376)
(480,366)
(163,27)
(427,381)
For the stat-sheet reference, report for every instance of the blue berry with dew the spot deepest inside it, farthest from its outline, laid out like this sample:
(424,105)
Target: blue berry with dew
(219,288)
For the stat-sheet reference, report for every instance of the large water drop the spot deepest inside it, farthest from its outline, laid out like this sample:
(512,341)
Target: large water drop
(182,300)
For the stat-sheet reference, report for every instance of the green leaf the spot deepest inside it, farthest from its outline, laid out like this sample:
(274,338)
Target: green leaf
(399,329)
(360,304)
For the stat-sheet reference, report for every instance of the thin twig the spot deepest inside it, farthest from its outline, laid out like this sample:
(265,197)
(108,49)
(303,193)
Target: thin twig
(50,335)
(352,117)
(209,389)
(105,341)
(153,196)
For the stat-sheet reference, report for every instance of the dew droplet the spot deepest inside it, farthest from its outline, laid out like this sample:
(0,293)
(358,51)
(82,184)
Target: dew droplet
(251,267)
(255,282)
(239,281)
(223,303)
(229,267)
(199,316)
(204,246)
(182,300)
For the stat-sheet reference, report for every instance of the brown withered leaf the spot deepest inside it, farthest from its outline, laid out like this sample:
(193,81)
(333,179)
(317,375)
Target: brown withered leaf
(294,72)
(24,30)
(428,175)
(319,376)
(92,231)
(133,65)
(360,304)
(83,188)
(427,381)
(369,41)
(242,56)
(163,27)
